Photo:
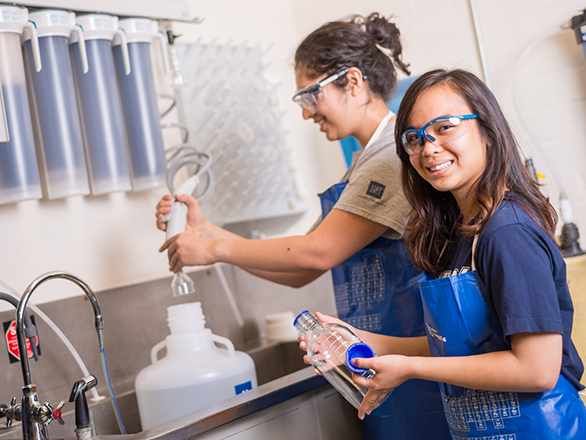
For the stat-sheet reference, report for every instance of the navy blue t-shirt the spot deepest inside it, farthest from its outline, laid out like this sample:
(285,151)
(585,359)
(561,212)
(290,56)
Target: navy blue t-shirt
(525,279)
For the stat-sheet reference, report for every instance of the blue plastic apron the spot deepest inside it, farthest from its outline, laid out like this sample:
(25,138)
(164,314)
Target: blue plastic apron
(376,290)
(459,323)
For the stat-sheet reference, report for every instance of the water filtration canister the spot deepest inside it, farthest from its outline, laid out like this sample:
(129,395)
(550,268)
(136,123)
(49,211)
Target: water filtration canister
(143,126)
(56,117)
(19,173)
(195,372)
(99,103)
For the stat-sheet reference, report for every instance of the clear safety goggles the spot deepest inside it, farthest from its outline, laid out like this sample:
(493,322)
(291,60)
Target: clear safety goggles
(439,131)
(307,97)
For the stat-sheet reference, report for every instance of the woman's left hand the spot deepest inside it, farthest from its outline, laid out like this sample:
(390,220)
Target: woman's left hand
(391,371)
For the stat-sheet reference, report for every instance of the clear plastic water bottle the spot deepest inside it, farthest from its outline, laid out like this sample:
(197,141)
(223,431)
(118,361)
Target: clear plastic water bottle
(331,349)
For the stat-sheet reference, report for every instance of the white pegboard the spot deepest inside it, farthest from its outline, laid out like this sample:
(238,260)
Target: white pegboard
(231,109)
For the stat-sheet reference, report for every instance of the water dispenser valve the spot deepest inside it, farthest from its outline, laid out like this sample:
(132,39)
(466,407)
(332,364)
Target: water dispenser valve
(83,429)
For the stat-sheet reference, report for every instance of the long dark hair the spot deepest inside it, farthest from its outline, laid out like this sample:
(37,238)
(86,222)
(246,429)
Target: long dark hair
(355,41)
(435,213)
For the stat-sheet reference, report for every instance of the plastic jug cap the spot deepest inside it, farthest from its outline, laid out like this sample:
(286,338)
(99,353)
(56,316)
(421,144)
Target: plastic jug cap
(358,350)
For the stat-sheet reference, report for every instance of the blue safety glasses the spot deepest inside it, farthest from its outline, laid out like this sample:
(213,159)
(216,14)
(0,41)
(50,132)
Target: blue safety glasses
(308,96)
(439,130)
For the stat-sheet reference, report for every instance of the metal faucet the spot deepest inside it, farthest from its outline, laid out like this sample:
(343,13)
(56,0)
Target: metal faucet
(34,415)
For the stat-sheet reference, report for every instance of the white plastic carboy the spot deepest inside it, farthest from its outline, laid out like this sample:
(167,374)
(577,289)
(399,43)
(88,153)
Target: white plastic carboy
(99,103)
(19,173)
(331,349)
(148,164)
(195,372)
(56,116)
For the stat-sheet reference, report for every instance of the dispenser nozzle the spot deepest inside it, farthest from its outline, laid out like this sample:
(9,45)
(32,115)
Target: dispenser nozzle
(182,284)
(82,416)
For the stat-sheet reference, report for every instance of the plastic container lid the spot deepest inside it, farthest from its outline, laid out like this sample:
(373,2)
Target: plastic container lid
(279,328)
(13,18)
(97,26)
(358,350)
(139,29)
(52,22)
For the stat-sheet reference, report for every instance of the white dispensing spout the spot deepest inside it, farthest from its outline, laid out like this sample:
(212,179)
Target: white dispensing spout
(181,284)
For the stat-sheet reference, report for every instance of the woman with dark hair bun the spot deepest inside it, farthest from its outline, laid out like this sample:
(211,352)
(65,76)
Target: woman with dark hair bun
(498,312)
(345,73)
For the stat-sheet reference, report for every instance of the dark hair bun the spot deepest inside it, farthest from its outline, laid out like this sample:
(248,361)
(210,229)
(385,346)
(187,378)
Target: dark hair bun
(356,41)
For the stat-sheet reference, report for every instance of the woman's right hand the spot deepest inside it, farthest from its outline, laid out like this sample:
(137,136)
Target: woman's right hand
(196,222)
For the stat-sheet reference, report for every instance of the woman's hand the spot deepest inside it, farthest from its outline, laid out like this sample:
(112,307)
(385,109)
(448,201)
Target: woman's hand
(188,250)
(303,346)
(391,371)
(196,222)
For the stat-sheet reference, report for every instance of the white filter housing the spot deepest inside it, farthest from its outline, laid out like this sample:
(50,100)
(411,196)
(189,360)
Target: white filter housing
(19,173)
(194,374)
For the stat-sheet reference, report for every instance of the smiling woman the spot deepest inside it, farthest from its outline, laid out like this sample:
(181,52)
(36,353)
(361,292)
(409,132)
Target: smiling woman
(453,157)
(498,312)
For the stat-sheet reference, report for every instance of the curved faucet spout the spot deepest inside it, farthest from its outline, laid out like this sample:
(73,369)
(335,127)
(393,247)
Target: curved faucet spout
(22,307)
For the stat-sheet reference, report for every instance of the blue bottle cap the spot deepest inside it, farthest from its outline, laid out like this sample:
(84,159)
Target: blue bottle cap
(358,350)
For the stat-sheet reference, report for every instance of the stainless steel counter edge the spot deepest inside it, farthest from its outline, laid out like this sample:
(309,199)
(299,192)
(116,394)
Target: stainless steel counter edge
(229,410)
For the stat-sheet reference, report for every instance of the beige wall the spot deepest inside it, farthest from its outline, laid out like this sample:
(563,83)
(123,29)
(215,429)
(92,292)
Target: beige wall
(111,241)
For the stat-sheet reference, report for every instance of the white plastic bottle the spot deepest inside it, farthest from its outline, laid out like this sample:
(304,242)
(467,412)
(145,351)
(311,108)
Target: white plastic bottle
(195,372)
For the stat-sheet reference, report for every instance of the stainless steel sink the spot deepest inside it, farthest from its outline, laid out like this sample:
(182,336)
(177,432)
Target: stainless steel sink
(287,387)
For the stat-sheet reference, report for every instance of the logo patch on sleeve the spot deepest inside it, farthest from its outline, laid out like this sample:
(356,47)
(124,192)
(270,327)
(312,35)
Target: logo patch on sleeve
(375,189)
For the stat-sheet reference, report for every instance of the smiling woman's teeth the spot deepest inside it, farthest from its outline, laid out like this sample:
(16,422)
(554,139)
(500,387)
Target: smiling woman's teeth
(441,167)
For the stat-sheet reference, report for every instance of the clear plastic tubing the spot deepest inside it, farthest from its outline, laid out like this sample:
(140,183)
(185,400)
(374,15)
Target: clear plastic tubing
(139,103)
(99,103)
(54,104)
(19,173)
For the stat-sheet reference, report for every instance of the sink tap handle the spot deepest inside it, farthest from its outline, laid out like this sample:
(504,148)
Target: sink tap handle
(11,412)
(5,413)
(51,413)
